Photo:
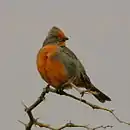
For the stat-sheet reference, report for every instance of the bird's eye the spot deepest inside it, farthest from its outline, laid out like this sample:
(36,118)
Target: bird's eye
(59,39)
(56,37)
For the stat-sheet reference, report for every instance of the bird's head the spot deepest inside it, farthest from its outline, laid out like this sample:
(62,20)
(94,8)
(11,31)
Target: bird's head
(55,36)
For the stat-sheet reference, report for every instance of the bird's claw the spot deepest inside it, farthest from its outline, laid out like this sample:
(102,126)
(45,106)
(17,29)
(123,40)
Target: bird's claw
(82,93)
(60,91)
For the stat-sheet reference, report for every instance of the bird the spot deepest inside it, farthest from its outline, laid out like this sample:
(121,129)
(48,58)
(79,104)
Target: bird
(61,68)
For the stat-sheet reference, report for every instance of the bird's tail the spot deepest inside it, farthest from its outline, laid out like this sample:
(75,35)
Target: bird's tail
(99,95)
(96,92)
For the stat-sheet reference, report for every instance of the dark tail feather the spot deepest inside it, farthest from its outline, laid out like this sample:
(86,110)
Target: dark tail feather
(96,92)
(99,95)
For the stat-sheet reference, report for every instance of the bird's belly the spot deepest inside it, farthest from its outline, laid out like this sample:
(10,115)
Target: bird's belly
(52,71)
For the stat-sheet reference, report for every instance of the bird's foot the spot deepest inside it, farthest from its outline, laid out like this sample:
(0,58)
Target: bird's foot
(47,88)
(82,93)
(60,91)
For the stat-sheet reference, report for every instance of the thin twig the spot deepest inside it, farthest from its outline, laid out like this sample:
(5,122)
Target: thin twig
(104,127)
(68,125)
(119,120)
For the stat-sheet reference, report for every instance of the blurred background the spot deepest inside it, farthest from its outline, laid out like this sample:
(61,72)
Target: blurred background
(99,35)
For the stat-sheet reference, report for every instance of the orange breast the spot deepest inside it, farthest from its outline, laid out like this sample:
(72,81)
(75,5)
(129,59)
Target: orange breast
(52,71)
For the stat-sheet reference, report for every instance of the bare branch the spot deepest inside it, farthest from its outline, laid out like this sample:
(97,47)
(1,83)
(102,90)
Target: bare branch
(67,125)
(81,100)
(33,121)
(28,110)
(39,100)
(90,104)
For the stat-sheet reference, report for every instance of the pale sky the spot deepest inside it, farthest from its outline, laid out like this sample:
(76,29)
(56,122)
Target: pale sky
(99,35)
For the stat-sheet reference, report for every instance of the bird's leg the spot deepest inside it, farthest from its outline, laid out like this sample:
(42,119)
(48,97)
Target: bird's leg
(63,86)
(59,90)
(89,91)
(69,81)
(47,87)
(75,87)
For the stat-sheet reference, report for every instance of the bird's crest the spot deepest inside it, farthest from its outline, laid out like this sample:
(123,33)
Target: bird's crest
(55,35)
(55,31)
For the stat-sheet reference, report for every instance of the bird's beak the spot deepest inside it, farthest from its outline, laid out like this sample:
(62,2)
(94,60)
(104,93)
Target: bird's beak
(66,38)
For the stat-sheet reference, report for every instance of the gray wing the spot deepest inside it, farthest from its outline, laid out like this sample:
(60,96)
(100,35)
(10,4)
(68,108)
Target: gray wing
(82,80)
(73,66)
(81,73)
